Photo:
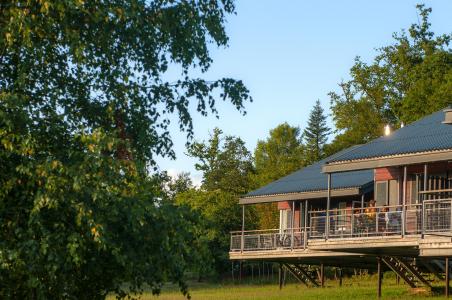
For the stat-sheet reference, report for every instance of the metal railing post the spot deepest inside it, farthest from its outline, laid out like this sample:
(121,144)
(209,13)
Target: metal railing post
(305,242)
(328,200)
(377,216)
(424,197)
(450,222)
(259,241)
(404,201)
(403,222)
(293,225)
(423,220)
(242,246)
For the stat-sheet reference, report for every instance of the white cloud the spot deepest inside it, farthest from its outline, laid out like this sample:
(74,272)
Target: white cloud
(196,178)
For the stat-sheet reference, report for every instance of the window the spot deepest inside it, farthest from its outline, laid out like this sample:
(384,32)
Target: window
(285,219)
(393,193)
(381,193)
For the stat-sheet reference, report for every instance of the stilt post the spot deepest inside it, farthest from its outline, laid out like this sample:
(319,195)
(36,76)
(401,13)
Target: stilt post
(379,276)
(322,275)
(280,276)
(232,271)
(447,277)
(240,271)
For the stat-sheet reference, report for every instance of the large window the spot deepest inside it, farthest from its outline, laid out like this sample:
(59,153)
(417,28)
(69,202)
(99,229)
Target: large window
(285,219)
(381,193)
(393,192)
(387,192)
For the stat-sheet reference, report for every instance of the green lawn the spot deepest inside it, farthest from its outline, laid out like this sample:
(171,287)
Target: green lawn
(352,288)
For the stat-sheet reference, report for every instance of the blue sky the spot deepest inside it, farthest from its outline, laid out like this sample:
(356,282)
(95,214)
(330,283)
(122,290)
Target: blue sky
(291,53)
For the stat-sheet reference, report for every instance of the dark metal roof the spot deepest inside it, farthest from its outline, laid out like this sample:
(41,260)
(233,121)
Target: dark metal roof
(427,134)
(311,179)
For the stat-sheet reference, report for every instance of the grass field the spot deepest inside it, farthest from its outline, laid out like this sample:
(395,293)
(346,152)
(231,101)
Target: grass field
(352,288)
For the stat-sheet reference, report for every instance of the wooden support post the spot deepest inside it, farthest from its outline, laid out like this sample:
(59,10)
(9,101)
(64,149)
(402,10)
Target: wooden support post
(322,275)
(243,229)
(292,231)
(259,271)
(379,276)
(232,271)
(328,202)
(352,222)
(340,276)
(447,277)
(424,197)
(268,271)
(240,271)
(362,203)
(425,181)
(305,239)
(300,216)
(280,276)
(284,276)
(404,201)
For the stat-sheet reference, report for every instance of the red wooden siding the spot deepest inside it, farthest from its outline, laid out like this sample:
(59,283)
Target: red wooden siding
(284,205)
(386,173)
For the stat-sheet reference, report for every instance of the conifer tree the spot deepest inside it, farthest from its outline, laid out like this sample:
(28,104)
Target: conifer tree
(316,134)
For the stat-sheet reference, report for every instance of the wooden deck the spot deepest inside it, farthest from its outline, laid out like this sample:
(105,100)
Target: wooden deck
(379,245)
(350,249)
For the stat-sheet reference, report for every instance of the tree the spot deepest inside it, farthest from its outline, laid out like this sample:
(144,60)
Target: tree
(316,134)
(218,213)
(85,107)
(226,163)
(279,155)
(406,80)
(182,182)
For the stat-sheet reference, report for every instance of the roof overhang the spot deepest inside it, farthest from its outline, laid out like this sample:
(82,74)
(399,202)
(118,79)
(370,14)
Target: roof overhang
(300,196)
(388,161)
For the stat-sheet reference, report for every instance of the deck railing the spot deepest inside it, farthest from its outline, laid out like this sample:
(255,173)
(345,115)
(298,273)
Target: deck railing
(373,221)
(430,217)
(255,240)
(437,216)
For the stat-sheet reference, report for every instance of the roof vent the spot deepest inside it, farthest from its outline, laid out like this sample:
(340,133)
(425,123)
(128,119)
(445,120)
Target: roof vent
(387,129)
(448,116)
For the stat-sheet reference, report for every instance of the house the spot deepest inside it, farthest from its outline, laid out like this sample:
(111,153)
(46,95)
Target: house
(301,197)
(389,199)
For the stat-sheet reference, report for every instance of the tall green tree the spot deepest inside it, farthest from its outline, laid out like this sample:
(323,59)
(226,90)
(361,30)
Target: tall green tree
(316,134)
(84,109)
(280,154)
(182,182)
(227,166)
(225,162)
(218,213)
(407,80)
